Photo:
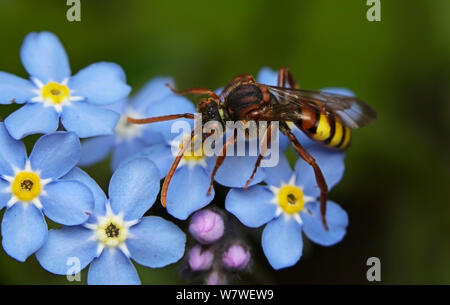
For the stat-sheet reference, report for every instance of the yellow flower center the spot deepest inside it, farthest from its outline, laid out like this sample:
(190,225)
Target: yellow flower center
(290,199)
(190,154)
(111,231)
(26,186)
(55,92)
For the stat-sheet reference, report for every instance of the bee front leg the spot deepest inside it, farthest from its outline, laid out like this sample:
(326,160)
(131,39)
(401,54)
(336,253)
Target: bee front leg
(263,148)
(173,168)
(220,160)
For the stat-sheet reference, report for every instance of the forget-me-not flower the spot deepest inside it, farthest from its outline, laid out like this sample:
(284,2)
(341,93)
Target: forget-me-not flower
(188,188)
(52,94)
(117,230)
(154,99)
(31,188)
(288,205)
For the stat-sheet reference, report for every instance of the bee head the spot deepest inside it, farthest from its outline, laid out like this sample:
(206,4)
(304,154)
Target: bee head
(211,110)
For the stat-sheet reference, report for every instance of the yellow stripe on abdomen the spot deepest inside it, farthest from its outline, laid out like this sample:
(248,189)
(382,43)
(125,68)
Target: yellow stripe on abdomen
(323,129)
(346,140)
(338,134)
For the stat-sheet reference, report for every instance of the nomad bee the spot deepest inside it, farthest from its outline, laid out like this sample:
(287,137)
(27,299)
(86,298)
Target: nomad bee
(324,117)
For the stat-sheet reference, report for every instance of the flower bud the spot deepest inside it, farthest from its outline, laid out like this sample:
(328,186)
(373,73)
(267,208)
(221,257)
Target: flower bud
(199,259)
(207,226)
(236,257)
(216,278)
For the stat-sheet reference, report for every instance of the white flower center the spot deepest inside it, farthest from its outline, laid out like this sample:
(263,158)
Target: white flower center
(126,130)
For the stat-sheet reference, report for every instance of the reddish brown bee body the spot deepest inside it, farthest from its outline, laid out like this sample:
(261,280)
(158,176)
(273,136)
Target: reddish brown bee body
(326,118)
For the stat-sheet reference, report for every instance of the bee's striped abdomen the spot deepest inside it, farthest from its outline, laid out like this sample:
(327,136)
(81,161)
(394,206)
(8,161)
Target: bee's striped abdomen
(324,127)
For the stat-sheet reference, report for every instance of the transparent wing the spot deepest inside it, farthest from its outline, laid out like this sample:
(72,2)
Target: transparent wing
(353,112)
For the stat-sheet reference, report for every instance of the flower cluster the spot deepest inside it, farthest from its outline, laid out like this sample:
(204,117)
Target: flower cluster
(217,255)
(108,233)
(105,233)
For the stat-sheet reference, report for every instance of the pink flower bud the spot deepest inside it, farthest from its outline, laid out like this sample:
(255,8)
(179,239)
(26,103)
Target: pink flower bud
(215,278)
(199,259)
(207,226)
(236,257)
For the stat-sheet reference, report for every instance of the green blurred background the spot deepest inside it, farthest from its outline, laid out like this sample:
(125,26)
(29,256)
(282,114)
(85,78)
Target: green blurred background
(396,186)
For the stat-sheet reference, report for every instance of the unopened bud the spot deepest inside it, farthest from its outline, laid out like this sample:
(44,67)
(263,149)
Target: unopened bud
(199,259)
(236,257)
(216,278)
(207,226)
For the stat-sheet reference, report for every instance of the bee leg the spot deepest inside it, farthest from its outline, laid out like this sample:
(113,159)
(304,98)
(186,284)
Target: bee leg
(263,148)
(304,154)
(172,169)
(196,91)
(161,118)
(285,76)
(220,160)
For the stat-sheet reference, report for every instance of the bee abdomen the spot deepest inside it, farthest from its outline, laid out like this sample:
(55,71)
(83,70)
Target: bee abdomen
(324,127)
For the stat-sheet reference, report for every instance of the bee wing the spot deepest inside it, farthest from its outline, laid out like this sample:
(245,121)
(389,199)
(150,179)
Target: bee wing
(353,112)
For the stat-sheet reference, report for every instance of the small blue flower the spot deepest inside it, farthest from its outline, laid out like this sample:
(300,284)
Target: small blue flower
(154,99)
(116,231)
(288,205)
(188,188)
(54,94)
(31,187)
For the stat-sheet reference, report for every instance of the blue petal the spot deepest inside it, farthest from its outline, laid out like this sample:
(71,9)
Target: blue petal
(172,104)
(5,195)
(282,242)
(99,196)
(55,154)
(64,247)
(14,88)
(12,153)
(337,220)
(156,242)
(67,202)
(88,120)
(153,91)
(95,149)
(44,57)
(228,175)
(160,154)
(112,268)
(31,119)
(119,107)
(123,150)
(101,83)
(283,141)
(253,207)
(150,137)
(338,90)
(280,173)
(187,191)
(267,76)
(133,188)
(24,231)
(330,162)
(302,137)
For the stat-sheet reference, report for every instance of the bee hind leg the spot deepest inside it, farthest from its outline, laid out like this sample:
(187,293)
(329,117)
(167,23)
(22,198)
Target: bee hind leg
(304,154)
(285,77)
